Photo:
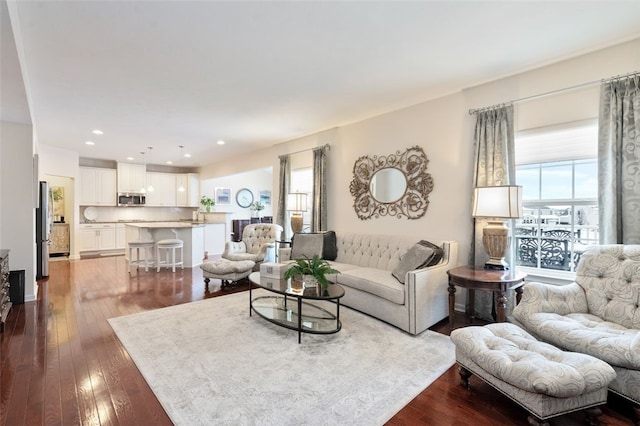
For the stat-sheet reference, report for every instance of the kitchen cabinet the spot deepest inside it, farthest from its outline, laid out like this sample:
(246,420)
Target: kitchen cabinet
(97,186)
(131,178)
(214,238)
(94,237)
(121,238)
(187,190)
(164,189)
(59,239)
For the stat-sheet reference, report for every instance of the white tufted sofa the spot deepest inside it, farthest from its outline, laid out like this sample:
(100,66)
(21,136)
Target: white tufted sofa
(365,262)
(598,314)
(257,245)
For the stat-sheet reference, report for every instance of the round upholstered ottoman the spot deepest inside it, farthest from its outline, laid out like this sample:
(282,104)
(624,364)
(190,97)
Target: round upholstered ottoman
(541,378)
(228,271)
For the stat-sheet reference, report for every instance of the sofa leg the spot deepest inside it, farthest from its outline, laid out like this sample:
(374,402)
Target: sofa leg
(464,376)
(534,421)
(206,283)
(593,415)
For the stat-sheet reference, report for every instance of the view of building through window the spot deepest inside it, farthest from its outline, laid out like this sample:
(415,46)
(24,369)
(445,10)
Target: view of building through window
(560,196)
(302,181)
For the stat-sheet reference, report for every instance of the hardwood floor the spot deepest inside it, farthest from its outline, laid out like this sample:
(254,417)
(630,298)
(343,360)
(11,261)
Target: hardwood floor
(62,364)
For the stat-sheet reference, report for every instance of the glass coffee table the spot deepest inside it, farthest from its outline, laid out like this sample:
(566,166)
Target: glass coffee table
(291,305)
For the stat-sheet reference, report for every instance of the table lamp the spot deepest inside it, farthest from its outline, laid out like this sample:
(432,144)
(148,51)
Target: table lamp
(296,203)
(497,203)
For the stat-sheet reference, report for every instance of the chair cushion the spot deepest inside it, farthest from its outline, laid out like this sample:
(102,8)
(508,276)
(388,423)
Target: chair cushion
(222,266)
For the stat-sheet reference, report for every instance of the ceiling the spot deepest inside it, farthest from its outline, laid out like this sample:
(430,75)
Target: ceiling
(170,73)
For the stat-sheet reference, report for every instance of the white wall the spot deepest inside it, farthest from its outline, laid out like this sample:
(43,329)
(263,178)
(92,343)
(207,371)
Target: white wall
(17,223)
(63,163)
(254,180)
(444,129)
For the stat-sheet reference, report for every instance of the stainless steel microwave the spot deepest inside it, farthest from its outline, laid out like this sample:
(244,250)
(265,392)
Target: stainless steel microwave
(131,199)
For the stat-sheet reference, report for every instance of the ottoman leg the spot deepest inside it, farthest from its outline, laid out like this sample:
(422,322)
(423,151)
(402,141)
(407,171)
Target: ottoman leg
(206,283)
(464,376)
(534,421)
(592,416)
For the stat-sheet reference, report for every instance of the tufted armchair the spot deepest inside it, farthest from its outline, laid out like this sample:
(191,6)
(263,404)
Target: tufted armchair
(258,243)
(598,314)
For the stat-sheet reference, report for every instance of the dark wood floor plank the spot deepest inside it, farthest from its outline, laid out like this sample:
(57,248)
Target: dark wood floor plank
(61,362)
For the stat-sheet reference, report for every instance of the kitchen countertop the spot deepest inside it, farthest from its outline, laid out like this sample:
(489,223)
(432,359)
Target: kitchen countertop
(174,224)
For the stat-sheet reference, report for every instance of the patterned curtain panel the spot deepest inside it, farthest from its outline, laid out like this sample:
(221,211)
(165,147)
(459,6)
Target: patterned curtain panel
(283,189)
(494,165)
(319,211)
(619,161)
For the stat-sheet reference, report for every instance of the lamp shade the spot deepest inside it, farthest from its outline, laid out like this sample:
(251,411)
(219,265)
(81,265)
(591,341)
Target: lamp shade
(497,201)
(297,202)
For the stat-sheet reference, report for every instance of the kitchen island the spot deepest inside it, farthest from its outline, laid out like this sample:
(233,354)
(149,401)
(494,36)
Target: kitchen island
(191,233)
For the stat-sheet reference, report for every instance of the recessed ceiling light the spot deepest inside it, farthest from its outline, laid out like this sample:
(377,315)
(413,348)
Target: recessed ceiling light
(187,155)
(169,162)
(130,158)
(220,142)
(89,143)
(97,132)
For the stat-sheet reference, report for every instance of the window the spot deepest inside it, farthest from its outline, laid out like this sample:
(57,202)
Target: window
(557,168)
(302,181)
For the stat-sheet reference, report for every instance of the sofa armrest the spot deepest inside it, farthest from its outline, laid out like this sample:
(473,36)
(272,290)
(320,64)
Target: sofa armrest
(426,292)
(548,298)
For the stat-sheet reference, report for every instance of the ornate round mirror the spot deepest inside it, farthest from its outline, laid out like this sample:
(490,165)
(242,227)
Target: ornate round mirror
(391,185)
(388,185)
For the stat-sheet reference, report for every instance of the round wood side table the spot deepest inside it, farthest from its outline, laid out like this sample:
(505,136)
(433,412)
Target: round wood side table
(477,278)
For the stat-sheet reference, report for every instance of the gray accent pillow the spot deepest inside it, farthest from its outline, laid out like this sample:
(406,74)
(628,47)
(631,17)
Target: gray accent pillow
(438,254)
(321,243)
(416,256)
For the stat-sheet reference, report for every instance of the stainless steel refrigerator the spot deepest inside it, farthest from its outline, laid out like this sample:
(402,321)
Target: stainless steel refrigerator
(44,219)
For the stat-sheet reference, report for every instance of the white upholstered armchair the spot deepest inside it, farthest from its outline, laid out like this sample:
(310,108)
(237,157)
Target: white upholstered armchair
(258,244)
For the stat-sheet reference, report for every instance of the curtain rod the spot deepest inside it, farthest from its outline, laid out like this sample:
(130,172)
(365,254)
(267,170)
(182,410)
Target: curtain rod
(326,145)
(553,92)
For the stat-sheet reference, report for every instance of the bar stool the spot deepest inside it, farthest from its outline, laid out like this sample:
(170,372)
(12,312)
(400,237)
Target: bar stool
(147,246)
(169,245)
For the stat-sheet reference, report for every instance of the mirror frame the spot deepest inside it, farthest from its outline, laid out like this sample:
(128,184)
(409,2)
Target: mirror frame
(412,204)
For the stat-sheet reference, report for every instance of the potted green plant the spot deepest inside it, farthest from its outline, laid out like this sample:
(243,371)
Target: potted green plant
(316,267)
(257,207)
(207,203)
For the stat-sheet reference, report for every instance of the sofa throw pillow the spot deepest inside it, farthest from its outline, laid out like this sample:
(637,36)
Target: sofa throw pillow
(417,255)
(321,243)
(437,256)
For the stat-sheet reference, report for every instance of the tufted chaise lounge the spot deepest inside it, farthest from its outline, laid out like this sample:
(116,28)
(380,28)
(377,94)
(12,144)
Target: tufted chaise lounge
(258,244)
(598,314)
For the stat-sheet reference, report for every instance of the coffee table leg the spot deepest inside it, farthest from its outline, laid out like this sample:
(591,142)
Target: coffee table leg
(299,319)
(250,313)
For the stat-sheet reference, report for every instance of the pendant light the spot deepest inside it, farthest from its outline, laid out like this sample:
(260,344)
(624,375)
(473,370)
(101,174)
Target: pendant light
(181,187)
(150,187)
(143,189)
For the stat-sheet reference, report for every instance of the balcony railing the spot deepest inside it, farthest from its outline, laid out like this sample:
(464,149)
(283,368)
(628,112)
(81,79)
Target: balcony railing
(553,246)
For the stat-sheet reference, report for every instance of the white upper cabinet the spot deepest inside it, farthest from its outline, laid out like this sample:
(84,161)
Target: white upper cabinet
(131,177)
(188,190)
(97,187)
(164,189)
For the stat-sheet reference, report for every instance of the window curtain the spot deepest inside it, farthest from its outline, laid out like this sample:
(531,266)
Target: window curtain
(494,164)
(319,202)
(283,190)
(619,161)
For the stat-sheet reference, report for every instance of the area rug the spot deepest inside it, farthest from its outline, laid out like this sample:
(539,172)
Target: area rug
(209,362)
